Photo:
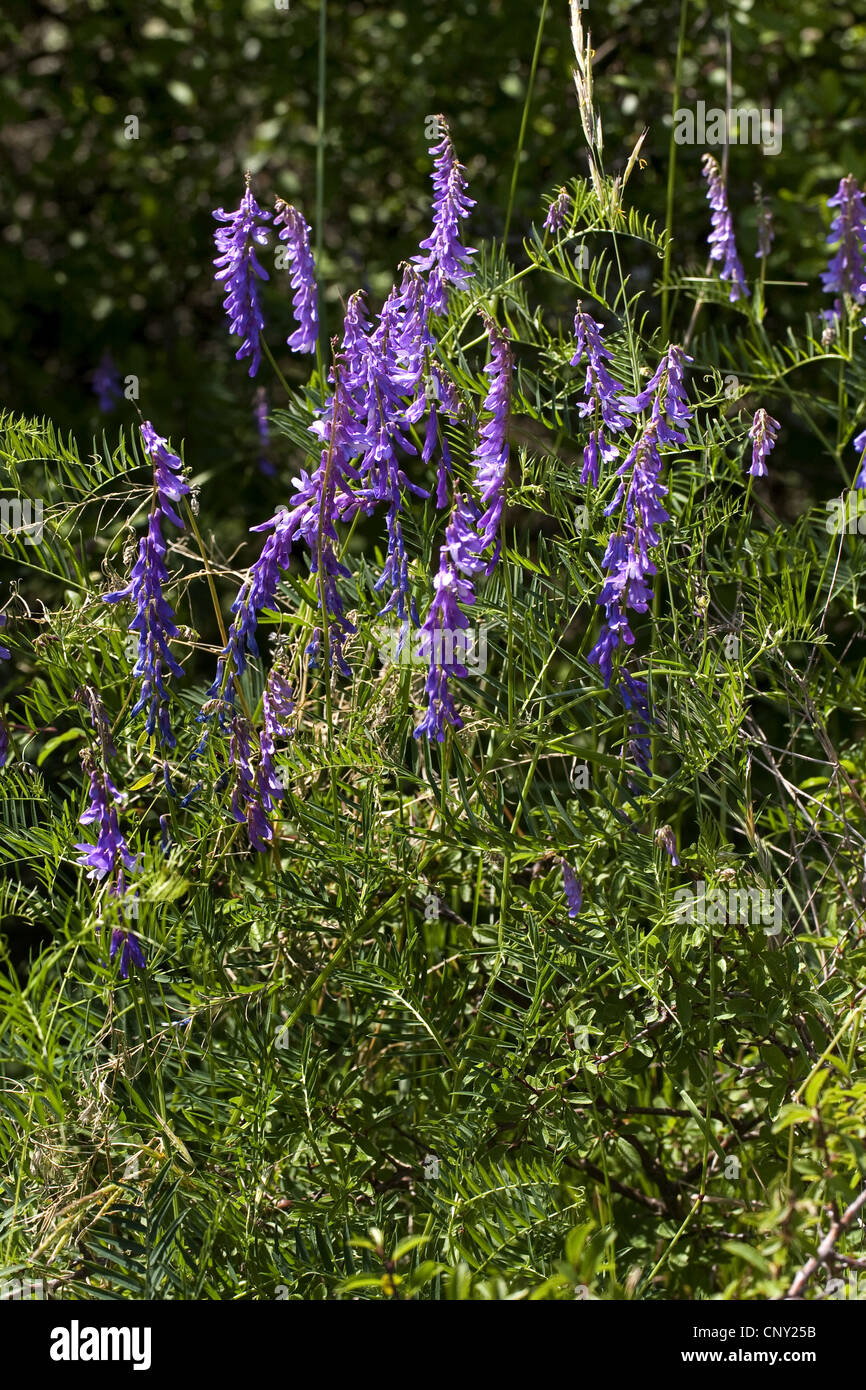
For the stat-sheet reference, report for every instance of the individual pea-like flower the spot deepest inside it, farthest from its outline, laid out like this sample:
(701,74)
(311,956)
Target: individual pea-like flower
(572,888)
(846,271)
(558,211)
(107,385)
(762,433)
(238,265)
(440,643)
(295,234)
(111,850)
(666,838)
(447,260)
(723,246)
(131,953)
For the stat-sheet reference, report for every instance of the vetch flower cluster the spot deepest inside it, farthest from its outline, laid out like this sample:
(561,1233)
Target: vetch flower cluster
(447,260)
(295,234)
(846,271)
(239,267)
(762,433)
(600,395)
(723,246)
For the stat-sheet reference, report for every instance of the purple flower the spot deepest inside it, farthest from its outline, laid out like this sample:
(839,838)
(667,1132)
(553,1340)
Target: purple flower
(666,389)
(490,459)
(860,446)
(440,642)
(558,211)
(723,246)
(245,801)
(238,266)
(154,618)
(763,436)
(107,385)
(277,709)
(626,559)
(130,952)
(167,473)
(5,654)
(296,235)
(4,742)
(846,271)
(600,395)
(446,260)
(573,889)
(111,849)
(666,838)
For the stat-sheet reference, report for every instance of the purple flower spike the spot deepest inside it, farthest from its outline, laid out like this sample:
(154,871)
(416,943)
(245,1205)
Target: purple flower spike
(846,271)
(723,246)
(154,618)
(558,212)
(102,858)
(763,436)
(441,643)
(573,889)
(446,260)
(490,459)
(600,395)
(130,952)
(238,266)
(296,235)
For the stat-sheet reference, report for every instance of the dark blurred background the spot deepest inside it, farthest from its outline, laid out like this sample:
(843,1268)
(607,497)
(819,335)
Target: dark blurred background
(106,242)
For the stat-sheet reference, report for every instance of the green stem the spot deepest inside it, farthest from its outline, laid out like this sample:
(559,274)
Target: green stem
(672,167)
(523,122)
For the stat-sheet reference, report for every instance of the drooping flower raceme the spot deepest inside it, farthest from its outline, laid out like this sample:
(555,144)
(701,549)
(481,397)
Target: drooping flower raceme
(846,271)
(238,266)
(295,234)
(600,395)
(762,433)
(246,803)
(860,446)
(490,459)
(447,260)
(627,559)
(723,246)
(154,618)
(130,951)
(558,211)
(440,643)
(111,853)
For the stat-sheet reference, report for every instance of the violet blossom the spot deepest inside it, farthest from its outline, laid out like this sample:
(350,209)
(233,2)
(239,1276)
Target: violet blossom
(762,433)
(600,395)
(238,266)
(295,233)
(440,642)
(846,271)
(111,850)
(558,211)
(447,260)
(573,889)
(723,246)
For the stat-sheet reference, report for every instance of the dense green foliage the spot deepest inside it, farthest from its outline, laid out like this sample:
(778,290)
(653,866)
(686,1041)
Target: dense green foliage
(381,1060)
